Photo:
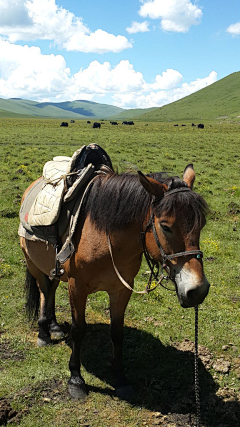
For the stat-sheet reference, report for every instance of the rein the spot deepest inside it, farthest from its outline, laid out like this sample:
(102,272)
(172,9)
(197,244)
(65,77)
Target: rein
(154,265)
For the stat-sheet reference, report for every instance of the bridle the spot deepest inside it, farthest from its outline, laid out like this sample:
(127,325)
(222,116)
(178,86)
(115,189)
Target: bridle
(153,264)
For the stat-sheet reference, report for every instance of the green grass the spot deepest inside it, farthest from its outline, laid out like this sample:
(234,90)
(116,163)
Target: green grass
(35,380)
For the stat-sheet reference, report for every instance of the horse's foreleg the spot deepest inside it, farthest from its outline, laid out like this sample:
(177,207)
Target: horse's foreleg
(77,297)
(118,304)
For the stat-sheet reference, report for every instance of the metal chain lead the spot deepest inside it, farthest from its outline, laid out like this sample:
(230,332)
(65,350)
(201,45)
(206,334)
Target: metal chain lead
(197,396)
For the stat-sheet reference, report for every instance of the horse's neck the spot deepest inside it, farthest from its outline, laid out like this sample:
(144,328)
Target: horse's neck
(126,242)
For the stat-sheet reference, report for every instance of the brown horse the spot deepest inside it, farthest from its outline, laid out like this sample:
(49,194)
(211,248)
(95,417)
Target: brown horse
(126,215)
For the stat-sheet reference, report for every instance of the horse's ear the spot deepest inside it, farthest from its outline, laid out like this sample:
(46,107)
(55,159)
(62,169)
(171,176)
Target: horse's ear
(152,186)
(189,175)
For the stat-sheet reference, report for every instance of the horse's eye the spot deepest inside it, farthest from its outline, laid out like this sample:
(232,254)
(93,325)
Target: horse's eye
(166,228)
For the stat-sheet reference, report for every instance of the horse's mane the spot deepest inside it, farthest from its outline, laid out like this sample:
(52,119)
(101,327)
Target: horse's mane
(116,201)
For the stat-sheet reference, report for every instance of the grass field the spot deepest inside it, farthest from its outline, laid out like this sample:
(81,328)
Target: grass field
(158,332)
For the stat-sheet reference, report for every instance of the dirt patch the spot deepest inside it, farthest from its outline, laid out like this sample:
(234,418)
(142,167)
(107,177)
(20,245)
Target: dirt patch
(9,353)
(222,366)
(220,407)
(172,420)
(203,353)
(7,413)
(45,392)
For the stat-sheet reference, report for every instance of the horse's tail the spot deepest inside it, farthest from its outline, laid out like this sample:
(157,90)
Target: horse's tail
(32,296)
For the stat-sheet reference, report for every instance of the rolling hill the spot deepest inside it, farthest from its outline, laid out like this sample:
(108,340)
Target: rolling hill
(16,107)
(221,100)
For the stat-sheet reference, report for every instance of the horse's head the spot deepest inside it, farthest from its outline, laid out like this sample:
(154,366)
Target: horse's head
(177,216)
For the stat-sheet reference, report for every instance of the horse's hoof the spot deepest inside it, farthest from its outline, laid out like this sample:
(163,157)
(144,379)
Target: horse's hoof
(56,331)
(77,389)
(57,335)
(43,342)
(124,392)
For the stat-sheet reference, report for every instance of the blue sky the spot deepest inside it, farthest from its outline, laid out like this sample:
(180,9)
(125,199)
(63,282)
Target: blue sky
(133,53)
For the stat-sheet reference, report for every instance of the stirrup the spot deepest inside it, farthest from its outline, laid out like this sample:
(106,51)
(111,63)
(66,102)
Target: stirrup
(56,272)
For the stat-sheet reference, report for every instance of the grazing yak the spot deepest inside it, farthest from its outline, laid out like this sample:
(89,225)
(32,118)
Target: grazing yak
(200,126)
(96,125)
(64,124)
(127,123)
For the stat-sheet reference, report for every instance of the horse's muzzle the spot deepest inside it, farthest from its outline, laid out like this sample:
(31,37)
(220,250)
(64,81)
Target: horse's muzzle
(190,290)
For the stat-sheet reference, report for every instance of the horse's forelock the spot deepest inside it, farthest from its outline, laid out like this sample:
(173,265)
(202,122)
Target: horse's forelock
(187,205)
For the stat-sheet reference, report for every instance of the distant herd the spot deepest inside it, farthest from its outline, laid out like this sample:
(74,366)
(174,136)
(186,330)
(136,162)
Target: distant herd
(97,125)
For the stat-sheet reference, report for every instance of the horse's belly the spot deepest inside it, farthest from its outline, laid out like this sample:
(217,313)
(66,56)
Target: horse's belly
(41,255)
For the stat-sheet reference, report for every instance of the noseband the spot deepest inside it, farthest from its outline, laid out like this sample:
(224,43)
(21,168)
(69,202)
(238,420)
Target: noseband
(153,264)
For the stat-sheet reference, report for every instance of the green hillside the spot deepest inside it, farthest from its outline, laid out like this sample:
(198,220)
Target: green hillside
(64,110)
(221,100)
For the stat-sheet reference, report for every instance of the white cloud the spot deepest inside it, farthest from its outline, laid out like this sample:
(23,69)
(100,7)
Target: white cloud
(234,29)
(103,78)
(159,98)
(30,20)
(100,42)
(175,15)
(138,27)
(168,80)
(26,73)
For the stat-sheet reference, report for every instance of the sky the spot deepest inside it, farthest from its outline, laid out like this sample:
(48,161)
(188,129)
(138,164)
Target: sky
(128,53)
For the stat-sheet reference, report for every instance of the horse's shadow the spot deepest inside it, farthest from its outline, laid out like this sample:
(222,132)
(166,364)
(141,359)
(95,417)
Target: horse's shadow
(162,376)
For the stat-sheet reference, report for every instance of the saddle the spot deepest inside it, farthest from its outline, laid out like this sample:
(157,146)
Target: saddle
(52,206)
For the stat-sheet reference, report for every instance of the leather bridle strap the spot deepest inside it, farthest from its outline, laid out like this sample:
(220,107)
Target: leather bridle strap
(166,257)
(145,291)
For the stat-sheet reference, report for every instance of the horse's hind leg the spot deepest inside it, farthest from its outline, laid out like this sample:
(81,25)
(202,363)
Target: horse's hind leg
(47,306)
(118,304)
(40,289)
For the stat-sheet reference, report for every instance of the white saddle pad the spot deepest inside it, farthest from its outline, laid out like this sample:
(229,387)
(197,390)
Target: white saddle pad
(46,207)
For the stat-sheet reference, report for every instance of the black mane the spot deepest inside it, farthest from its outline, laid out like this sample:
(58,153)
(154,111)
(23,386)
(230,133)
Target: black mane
(116,201)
